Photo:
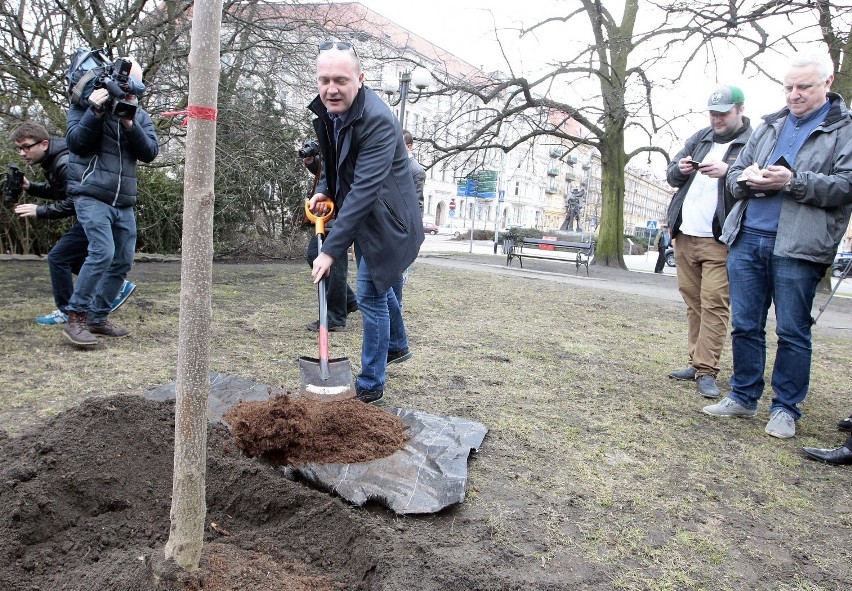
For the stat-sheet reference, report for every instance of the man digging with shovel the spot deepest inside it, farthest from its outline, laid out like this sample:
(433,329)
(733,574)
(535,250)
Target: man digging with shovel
(367,178)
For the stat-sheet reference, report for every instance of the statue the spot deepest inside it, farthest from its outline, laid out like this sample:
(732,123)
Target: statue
(572,210)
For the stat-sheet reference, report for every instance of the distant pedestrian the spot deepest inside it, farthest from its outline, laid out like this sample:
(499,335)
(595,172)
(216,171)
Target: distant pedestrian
(696,215)
(793,186)
(662,241)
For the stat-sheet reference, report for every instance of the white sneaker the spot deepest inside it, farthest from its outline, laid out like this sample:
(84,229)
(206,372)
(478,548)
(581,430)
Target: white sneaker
(781,425)
(728,407)
(55,317)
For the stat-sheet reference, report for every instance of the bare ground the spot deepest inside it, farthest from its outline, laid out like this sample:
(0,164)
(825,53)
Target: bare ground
(597,472)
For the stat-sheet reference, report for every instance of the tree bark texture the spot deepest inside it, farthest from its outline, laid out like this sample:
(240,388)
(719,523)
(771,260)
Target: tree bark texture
(188,511)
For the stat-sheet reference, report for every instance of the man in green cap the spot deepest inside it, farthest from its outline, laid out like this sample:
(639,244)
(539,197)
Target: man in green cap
(696,216)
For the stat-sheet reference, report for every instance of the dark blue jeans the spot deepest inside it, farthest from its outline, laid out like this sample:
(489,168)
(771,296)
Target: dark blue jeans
(383,327)
(338,293)
(64,260)
(112,242)
(757,279)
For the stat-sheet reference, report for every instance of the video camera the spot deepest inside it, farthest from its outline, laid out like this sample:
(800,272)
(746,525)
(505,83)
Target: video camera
(14,185)
(91,69)
(309,149)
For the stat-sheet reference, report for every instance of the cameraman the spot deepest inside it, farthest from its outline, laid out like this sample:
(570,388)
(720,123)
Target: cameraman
(35,146)
(102,166)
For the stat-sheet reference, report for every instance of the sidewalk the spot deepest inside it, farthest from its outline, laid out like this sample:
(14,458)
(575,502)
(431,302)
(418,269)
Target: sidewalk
(640,278)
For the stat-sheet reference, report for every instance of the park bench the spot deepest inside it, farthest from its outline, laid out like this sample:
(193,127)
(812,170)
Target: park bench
(579,253)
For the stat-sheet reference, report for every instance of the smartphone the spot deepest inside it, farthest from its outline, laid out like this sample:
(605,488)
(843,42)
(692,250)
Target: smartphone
(694,164)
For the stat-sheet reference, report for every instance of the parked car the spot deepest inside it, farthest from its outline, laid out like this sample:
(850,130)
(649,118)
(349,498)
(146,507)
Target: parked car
(430,228)
(670,260)
(841,261)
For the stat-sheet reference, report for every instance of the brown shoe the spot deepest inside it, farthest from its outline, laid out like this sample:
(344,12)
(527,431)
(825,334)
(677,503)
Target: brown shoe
(108,329)
(77,332)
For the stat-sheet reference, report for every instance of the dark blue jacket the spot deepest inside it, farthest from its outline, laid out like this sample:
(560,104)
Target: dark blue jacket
(104,155)
(372,189)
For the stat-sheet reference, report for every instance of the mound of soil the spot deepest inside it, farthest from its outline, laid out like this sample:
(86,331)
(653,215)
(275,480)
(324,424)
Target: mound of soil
(289,431)
(85,500)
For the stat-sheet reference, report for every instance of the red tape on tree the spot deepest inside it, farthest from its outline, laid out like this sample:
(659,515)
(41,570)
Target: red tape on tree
(193,112)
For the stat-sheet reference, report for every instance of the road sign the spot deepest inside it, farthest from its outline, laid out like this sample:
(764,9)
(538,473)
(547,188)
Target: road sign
(452,212)
(651,225)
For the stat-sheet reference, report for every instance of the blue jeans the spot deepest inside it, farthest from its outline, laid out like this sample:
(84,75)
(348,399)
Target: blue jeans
(383,328)
(65,260)
(758,278)
(112,242)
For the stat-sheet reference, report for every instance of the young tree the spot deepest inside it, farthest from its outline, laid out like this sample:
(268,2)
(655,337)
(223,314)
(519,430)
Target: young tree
(192,389)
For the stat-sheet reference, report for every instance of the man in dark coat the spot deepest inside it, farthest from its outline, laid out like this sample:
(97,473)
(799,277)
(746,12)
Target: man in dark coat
(104,153)
(68,255)
(375,205)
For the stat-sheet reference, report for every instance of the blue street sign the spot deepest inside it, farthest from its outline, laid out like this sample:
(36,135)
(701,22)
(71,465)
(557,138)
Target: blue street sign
(651,225)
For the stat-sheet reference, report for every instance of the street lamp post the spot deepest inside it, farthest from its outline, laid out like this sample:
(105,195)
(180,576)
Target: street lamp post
(420,77)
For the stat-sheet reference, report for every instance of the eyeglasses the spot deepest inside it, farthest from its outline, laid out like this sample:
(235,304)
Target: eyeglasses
(341,45)
(27,147)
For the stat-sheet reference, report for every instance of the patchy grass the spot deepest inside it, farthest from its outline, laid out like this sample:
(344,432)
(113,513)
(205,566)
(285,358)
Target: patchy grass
(595,462)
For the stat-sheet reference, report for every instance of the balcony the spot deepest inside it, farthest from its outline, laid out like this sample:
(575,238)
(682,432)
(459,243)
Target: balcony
(553,172)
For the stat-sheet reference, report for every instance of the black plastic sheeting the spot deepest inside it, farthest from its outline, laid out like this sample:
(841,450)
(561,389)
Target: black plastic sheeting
(426,476)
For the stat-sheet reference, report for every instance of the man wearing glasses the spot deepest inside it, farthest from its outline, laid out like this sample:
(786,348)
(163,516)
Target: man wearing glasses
(35,146)
(367,177)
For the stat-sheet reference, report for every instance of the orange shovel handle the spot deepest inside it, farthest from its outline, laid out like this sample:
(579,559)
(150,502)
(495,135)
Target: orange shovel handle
(319,221)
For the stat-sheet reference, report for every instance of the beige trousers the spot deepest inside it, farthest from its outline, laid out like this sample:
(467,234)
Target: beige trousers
(703,281)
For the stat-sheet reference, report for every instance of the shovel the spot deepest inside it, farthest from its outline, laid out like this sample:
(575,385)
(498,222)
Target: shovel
(324,379)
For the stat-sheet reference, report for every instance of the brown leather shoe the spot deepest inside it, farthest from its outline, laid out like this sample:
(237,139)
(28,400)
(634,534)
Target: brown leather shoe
(77,332)
(108,329)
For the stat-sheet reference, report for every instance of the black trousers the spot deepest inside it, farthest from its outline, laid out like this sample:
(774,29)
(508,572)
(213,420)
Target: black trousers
(338,293)
(661,259)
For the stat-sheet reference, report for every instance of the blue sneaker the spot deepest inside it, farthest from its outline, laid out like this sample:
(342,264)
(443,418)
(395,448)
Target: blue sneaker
(55,317)
(123,294)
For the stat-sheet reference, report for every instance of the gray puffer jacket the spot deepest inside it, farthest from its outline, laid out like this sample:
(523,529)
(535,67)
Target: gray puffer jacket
(816,209)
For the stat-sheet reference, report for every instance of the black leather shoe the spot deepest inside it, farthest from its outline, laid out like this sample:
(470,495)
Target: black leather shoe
(351,307)
(399,356)
(845,424)
(839,456)
(368,396)
(314,327)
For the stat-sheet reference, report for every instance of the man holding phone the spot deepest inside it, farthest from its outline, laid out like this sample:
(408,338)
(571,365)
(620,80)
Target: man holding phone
(696,215)
(783,233)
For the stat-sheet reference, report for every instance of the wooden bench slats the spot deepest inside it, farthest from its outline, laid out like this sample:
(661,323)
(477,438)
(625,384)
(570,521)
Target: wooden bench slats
(583,251)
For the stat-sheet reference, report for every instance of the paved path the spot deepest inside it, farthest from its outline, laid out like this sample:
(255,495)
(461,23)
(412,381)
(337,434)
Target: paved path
(640,278)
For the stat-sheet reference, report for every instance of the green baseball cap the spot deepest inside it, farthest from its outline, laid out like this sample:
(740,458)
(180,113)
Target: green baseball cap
(725,98)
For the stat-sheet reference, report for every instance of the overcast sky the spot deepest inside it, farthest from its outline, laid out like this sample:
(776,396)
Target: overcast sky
(465,28)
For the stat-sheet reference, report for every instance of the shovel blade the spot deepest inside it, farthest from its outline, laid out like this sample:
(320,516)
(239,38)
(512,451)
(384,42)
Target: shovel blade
(326,384)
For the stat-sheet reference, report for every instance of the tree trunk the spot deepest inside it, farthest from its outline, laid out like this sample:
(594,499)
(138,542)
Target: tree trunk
(609,250)
(189,510)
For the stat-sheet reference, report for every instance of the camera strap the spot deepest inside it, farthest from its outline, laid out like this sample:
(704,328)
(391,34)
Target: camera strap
(80,87)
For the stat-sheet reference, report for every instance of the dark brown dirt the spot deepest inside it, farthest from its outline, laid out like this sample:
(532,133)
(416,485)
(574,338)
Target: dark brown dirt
(86,503)
(289,431)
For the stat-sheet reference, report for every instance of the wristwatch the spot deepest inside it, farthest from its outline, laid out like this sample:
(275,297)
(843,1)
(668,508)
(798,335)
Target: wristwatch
(789,186)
